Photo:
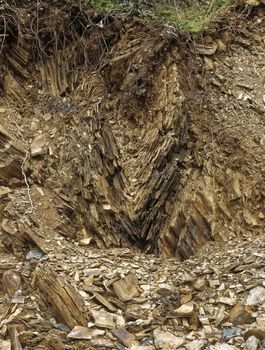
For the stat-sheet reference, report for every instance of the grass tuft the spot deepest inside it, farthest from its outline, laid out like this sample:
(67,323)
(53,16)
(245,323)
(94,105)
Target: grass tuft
(194,18)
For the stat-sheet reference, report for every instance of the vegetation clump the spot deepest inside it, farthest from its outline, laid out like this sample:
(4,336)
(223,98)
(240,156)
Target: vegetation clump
(193,18)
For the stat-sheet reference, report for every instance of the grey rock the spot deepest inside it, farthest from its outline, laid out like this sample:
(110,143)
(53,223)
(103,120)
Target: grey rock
(252,343)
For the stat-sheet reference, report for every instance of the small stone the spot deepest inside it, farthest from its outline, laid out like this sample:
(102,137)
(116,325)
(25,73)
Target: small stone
(76,276)
(261,321)
(5,344)
(228,301)
(240,314)
(101,343)
(186,298)
(165,289)
(38,146)
(209,65)
(35,254)
(252,343)
(94,272)
(85,241)
(79,332)
(104,301)
(221,45)
(166,339)
(127,338)
(103,319)
(18,298)
(207,49)
(256,332)
(256,296)
(185,310)
(199,284)
(142,347)
(220,346)
(197,345)
(4,191)
(126,288)
(11,282)
(47,116)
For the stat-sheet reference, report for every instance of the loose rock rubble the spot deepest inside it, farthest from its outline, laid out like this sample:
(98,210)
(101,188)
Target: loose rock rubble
(163,309)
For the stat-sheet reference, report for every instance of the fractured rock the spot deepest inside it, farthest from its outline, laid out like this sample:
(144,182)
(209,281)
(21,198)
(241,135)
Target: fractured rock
(5,344)
(199,284)
(256,296)
(240,314)
(228,301)
(166,339)
(252,343)
(126,288)
(103,319)
(38,146)
(66,302)
(197,345)
(222,346)
(185,310)
(11,282)
(165,289)
(80,332)
(257,332)
(127,338)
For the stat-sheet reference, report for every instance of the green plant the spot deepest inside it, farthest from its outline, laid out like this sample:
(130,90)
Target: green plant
(193,19)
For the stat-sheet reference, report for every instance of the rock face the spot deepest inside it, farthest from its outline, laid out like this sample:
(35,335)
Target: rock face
(133,147)
(148,169)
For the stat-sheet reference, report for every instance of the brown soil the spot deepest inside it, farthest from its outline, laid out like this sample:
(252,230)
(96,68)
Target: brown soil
(119,138)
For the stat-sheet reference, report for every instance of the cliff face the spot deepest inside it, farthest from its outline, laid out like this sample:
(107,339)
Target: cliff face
(154,143)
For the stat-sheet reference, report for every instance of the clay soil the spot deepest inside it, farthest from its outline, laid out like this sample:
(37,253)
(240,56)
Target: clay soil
(131,181)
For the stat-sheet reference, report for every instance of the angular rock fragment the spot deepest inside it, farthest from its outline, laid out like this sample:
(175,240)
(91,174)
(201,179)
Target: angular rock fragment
(165,289)
(197,345)
(256,296)
(199,284)
(185,310)
(11,282)
(223,346)
(240,314)
(206,49)
(142,347)
(126,288)
(66,302)
(101,343)
(103,319)
(5,344)
(228,301)
(104,301)
(125,337)
(167,340)
(13,333)
(12,156)
(4,191)
(258,332)
(80,332)
(38,146)
(252,343)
